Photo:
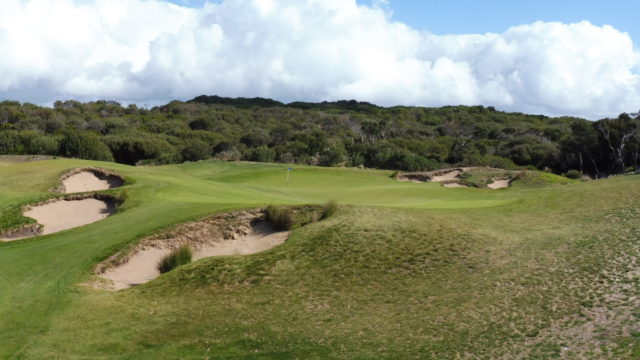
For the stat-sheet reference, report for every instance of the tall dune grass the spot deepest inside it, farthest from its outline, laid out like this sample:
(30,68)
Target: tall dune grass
(177,257)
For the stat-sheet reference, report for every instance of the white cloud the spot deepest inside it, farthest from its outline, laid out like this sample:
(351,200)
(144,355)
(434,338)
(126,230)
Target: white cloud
(149,51)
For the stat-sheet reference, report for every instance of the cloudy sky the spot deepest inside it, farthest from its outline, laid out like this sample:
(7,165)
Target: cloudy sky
(579,58)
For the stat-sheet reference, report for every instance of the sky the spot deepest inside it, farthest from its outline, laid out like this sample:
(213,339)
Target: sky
(578,58)
(482,16)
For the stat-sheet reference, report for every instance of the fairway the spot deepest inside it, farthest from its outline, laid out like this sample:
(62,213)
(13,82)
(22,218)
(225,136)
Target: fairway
(403,270)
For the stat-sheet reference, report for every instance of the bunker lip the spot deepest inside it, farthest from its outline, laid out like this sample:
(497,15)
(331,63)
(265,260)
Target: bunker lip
(58,214)
(237,233)
(24,232)
(88,179)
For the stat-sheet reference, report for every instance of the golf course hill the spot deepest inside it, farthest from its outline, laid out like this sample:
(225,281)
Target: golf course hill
(258,260)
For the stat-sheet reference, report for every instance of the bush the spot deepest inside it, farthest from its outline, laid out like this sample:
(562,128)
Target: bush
(84,146)
(177,257)
(280,218)
(329,209)
(573,174)
(138,146)
(196,150)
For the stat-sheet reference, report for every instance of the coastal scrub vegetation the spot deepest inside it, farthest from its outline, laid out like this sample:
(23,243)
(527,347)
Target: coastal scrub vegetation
(342,133)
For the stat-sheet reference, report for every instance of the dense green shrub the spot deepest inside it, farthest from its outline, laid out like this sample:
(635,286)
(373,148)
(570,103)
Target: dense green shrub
(11,143)
(177,257)
(337,133)
(134,147)
(573,174)
(43,145)
(196,150)
(84,146)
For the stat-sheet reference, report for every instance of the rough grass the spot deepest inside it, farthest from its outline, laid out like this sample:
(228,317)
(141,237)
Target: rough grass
(538,178)
(178,257)
(281,218)
(329,209)
(403,270)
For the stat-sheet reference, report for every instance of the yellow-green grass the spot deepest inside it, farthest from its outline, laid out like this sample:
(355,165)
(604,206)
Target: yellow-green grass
(402,270)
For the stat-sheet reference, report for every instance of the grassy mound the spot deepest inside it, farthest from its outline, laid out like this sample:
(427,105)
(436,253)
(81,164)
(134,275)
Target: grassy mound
(539,178)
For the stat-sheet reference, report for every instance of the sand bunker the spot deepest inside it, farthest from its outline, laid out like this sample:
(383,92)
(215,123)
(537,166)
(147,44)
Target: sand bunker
(61,215)
(83,180)
(432,176)
(241,233)
(67,214)
(139,269)
(447,176)
(499,184)
(451,177)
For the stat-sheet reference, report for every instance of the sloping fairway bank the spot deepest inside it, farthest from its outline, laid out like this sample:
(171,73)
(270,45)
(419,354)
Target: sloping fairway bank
(402,271)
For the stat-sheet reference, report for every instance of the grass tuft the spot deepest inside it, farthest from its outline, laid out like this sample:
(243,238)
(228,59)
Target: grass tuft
(329,209)
(177,257)
(281,218)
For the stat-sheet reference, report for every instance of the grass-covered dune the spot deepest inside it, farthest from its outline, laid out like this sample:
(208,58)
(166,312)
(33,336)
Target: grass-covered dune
(546,268)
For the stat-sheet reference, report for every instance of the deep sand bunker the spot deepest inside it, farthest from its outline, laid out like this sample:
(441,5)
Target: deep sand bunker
(89,179)
(62,214)
(67,214)
(240,233)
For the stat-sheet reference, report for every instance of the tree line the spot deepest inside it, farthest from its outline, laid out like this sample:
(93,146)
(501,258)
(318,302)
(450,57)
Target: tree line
(341,133)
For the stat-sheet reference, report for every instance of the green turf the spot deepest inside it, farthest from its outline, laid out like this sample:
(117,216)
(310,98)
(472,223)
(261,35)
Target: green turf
(402,270)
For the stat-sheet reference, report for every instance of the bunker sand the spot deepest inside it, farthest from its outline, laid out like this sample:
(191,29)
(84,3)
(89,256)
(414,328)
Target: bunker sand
(242,233)
(67,214)
(499,184)
(451,175)
(63,214)
(90,180)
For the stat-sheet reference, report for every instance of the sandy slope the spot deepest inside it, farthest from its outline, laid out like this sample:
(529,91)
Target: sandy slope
(451,175)
(499,184)
(140,268)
